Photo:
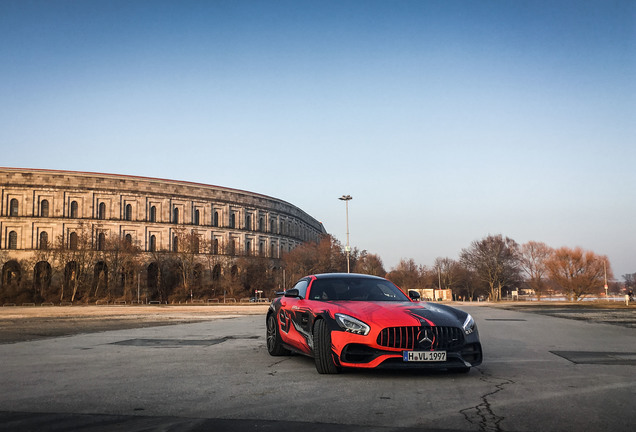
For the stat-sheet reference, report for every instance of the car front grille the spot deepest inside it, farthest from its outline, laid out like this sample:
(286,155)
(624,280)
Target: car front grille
(425,338)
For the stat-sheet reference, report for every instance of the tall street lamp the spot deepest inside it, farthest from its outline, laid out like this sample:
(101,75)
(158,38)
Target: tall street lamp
(346,199)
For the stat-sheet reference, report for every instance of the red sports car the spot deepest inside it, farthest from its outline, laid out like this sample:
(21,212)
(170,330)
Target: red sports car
(359,321)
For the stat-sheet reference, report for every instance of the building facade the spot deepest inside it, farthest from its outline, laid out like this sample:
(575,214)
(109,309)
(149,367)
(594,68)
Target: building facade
(43,208)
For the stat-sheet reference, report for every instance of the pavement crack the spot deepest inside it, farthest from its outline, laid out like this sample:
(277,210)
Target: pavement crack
(483,414)
(276,364)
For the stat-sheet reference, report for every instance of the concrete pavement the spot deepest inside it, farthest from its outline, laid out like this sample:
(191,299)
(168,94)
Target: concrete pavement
(539,373)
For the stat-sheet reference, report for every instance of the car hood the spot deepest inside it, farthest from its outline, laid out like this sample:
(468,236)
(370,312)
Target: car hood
(396,314)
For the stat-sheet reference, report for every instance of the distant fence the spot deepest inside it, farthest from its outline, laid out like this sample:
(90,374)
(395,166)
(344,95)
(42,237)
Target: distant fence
(105,302)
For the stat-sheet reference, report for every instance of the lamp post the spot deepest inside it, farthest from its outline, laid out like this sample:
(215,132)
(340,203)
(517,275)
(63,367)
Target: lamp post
(346,199)
(605,271)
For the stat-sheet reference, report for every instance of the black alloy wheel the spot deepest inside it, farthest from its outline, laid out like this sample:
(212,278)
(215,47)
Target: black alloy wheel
(274,343)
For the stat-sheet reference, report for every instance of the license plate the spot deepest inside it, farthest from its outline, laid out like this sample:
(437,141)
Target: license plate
(424,356)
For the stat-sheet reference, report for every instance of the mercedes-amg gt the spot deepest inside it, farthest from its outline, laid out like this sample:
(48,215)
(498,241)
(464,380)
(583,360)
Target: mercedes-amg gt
(347,320)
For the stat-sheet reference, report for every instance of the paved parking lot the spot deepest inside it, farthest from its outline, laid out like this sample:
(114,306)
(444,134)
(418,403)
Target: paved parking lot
(540,372)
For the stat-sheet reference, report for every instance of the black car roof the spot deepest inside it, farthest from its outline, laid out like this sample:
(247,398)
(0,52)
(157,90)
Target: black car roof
(345,275)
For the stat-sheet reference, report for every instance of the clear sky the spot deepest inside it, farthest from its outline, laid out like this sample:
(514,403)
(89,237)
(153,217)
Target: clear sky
(445,120)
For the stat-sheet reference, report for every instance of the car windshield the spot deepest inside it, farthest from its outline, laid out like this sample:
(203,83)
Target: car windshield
(355,289)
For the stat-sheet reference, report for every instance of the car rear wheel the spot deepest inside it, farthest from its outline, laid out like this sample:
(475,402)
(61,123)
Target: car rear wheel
(274,343)
(323,355)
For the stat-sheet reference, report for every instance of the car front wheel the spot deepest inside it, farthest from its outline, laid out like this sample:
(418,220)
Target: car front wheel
(274,343)
(323,355)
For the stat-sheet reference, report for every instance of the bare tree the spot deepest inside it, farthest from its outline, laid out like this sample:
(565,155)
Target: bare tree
(469,285)
(408,275)
(325,256)
(216,259)
(256,275)
(578,272)
(495,260)
(76,254)
(448,273)
(187,257)
(630,281)
(160,276)
(368,263)
(533,261)
(122,261)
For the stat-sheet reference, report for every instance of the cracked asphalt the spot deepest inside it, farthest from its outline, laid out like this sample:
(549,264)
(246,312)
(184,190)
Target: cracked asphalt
(541,372)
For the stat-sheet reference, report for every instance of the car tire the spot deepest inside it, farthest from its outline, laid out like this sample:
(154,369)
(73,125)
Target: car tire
(274,342)
(323,355)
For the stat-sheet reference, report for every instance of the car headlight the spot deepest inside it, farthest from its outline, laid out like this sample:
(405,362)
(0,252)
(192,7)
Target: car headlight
(352,325)
(469,324)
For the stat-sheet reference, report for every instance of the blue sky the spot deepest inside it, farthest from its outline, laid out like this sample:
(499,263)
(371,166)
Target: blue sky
(445,120)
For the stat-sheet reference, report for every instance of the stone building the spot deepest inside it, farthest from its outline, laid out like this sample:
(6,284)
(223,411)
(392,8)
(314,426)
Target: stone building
(41,207)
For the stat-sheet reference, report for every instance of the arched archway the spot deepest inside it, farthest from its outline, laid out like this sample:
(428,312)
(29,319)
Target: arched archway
(216,272)
(42,279)
(197,275)
(152,278)
(100,279)
(11,274)
(71,281)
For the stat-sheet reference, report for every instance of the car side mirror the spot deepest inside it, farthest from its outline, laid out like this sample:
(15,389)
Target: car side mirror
(292,293)
(414,295)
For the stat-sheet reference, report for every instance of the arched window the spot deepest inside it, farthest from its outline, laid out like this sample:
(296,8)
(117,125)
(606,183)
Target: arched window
(72,241)
(248,247)
(101,241)
(233,220)
(261,224)
(261,249)
(13,240)
(153,243)
(74,209)
(175,244)
(231,247)
(271,251)
(128,215)
(195,244)
(196,217)
(153,214)
(216,219)
(13,207)
(44,240)
(248,222)
(128,239)
(175,215)
(215,246)
(101,214)
(44,208)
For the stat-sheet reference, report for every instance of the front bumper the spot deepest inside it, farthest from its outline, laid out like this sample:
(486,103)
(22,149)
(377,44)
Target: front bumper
(358,351)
